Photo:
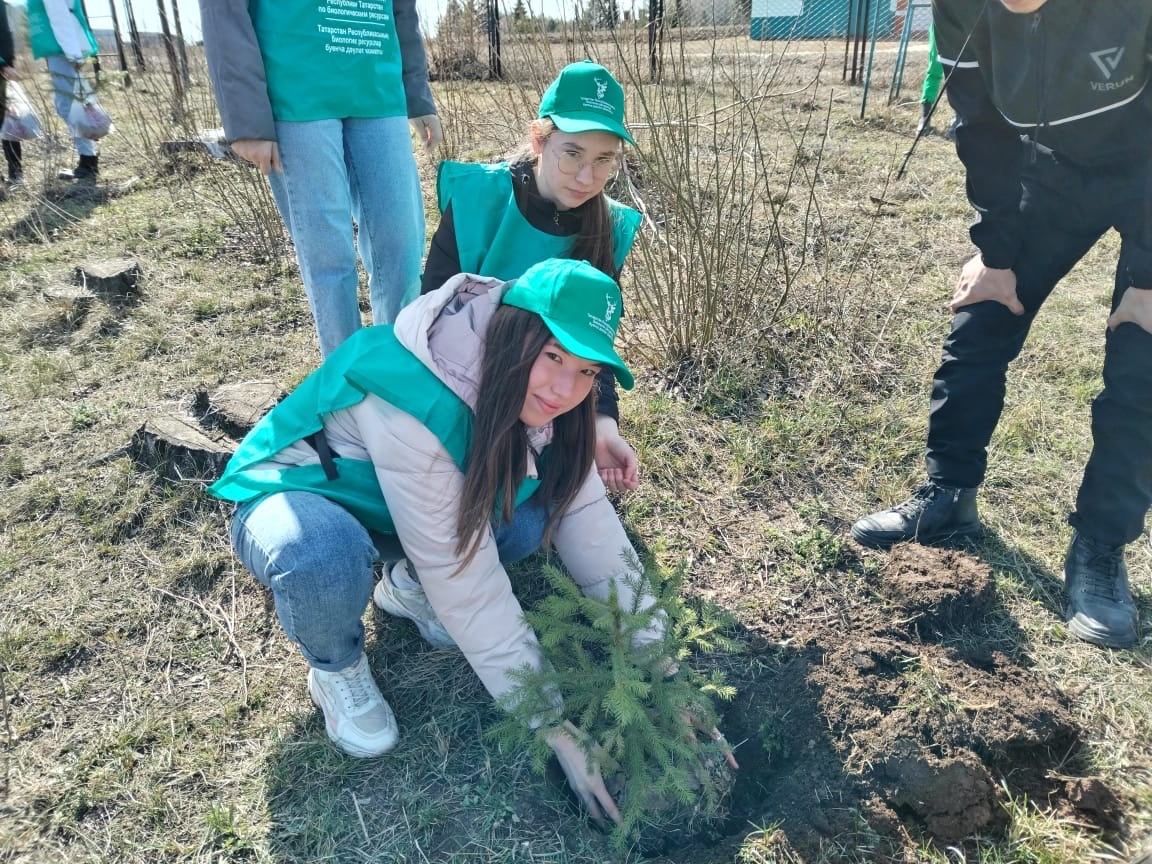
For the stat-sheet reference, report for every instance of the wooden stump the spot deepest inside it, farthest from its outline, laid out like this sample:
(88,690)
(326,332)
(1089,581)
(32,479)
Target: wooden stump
(71,299)
(179,449)
(117,277)
(235,408)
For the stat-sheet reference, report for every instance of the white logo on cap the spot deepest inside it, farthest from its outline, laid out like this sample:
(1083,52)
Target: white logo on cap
(604,326)
(601,88)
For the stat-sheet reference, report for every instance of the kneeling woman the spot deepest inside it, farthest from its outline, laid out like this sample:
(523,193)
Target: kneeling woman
(466,430)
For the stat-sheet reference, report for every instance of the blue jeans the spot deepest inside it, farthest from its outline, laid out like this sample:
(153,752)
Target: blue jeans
(337,172)
(317,559)
(64,79)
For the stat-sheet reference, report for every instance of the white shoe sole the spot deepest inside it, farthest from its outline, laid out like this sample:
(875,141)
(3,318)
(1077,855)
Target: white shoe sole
(343,744)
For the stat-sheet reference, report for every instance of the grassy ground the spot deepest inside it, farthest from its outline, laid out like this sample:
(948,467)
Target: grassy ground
(154,712)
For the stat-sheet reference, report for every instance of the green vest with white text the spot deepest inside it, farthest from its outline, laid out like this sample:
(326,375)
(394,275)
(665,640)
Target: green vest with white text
(330,59)
(372,361)
(492,236)
(43,40)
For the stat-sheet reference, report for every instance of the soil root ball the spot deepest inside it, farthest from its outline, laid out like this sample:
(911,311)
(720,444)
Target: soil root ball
(954,796)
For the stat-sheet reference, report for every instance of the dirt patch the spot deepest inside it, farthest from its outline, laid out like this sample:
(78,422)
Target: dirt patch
(912,582)
(912,724)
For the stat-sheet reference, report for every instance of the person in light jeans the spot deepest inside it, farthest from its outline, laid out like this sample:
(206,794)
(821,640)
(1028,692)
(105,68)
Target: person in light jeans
(60,34)
(329,127)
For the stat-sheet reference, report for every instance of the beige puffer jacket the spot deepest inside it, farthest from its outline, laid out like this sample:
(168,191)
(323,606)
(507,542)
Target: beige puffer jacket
(422,486)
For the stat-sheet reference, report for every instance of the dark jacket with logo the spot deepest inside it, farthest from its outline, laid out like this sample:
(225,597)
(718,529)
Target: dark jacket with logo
(1070,80)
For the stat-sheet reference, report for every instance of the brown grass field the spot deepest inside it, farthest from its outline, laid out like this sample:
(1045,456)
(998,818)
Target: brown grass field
(786,309)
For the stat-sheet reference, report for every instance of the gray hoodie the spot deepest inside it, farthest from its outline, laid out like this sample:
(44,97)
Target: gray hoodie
(237,68)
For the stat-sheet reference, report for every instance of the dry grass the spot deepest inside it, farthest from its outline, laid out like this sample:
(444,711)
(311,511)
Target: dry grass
(155,713)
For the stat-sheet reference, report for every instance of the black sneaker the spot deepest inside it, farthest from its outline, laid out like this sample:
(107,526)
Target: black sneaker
(1098,603)
(932,513)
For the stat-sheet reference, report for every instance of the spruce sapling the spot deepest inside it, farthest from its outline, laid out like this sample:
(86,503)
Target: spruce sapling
(613,670)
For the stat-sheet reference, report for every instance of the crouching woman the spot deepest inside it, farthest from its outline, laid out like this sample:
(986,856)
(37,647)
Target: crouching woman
(467,431)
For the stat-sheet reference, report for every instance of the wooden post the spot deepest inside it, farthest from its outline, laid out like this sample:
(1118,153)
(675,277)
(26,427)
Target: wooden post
(181,45)
(655,38)
(119,38)
(495,66)
(134,35)
(173,63)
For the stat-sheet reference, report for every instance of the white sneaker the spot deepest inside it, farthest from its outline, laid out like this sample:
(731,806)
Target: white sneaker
(411,603)
(357,718)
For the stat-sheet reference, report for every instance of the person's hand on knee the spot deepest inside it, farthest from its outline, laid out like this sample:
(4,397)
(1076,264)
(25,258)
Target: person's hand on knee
(1135,307)
(978,283)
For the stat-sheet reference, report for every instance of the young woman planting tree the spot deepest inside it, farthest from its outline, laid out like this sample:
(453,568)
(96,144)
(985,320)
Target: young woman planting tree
(467,432)
(547,200)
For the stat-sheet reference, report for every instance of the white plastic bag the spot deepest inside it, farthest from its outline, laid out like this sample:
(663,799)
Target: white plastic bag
(87,116)
(20,120)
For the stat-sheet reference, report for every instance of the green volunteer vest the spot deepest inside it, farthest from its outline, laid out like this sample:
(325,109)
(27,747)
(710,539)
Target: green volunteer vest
(330,59)
(373,361)
(40,33)
(492,236)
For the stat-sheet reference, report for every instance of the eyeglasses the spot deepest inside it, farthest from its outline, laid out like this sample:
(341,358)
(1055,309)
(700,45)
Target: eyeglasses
(571,161)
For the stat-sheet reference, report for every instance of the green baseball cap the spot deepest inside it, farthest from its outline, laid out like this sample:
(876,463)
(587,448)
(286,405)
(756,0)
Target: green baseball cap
(580,305)
(586,98)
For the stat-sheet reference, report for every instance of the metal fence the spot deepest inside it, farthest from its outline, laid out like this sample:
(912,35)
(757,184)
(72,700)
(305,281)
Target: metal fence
(883,42)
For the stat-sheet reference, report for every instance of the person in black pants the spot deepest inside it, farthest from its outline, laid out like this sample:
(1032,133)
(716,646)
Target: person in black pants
(1055,118)
(13,152)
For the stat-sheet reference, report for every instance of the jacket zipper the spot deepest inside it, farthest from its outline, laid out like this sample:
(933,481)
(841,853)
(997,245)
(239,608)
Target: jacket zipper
(1041,62)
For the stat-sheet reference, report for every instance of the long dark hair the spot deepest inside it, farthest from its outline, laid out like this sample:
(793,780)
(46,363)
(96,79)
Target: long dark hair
(498,452)
(594,240)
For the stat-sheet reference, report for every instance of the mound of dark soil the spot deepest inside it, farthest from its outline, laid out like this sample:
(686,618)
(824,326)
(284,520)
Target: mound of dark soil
(912,581)
(912,720)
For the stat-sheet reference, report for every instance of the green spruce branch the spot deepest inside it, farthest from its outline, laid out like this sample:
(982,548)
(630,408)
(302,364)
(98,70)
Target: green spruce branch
(618,692)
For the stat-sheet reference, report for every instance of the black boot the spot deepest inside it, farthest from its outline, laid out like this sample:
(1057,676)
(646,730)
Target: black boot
(924,127)
(88,169)
(14,156)
(1098,604)
(932,513)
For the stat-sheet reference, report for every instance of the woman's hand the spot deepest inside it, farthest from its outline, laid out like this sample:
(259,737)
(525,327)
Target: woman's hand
(583,774)
(615,459)
(694,724)
(265,155)
(429,131)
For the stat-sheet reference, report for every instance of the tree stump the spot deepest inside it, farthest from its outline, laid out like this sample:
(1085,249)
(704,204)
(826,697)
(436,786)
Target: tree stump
(235,408)
(179,449)
(72,300)
(116,277)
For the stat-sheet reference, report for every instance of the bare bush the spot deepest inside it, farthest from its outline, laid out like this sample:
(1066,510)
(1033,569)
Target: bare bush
(733,270)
